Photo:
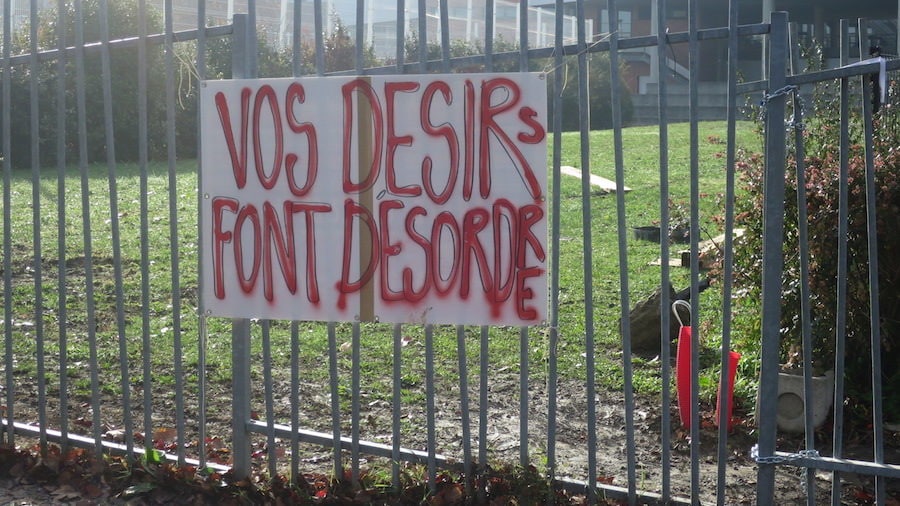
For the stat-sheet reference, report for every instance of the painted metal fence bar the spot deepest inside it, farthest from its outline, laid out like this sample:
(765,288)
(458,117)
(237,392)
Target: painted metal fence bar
(553,338)
(665,317)
(841,296)
(587,251)
(36,237)
(874,309)
(7,214)
(728,255)
(694,161)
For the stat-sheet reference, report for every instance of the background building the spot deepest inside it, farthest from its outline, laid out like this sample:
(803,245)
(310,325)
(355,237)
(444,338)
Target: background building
(275,18)
(816,20)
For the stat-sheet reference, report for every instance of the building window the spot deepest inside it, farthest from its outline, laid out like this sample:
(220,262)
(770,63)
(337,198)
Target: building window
(853,37)
(624,23)
(644,11)
(676,11)
(458,12)
(805,34)
(826,37)
(506,11)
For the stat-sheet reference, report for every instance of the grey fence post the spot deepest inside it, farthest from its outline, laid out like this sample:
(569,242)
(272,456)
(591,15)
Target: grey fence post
(242,67)
(773,263)
(240,403)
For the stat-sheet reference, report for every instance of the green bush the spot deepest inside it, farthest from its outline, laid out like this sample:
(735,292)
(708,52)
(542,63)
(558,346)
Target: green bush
(822,184)
(123,22)
(599,89)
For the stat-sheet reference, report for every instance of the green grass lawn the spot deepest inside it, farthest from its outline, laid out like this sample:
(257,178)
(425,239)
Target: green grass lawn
(642,207)
(151,315)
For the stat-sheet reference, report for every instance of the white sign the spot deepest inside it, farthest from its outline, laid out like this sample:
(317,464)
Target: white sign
(405,199)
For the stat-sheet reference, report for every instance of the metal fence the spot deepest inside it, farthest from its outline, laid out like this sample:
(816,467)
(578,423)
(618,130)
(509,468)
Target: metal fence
(105,348)
(810,456)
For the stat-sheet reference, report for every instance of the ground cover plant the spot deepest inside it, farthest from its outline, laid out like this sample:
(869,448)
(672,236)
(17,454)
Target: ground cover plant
(78,475)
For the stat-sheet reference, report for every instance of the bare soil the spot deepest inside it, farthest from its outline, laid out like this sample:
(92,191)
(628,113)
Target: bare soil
(504,422)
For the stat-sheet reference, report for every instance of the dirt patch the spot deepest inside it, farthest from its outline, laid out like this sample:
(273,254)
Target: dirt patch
(504,426)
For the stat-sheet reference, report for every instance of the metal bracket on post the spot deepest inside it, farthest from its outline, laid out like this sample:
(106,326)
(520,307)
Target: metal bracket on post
(773,264)
(243,66)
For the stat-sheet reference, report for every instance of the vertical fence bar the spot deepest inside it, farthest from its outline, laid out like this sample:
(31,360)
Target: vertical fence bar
(175,256)
(803,235)
(840,343)
(523,396)
(400,50)
(523,36)
(296,67)
(296,42)
(625,303)
(271,454)
(484,355)
(86,225)
(37,264)
(7,227)
(240,411)
(320,42)
(794,43)
(693,73)
(359,43)
(552,371)
(396,413)
(251,41)
(335,400)
(397,333)
(523,331)
(464,406)
(240,328)
(62,306)
(445,36)
(874,307)
(662,44)
(805,311)
(429,406)
(584,122)
(202,333)
(395,408)
(728,256)
(109,129)
(483,403)
(145,228)
(422,14)
(295,402)
(773,214)
(354,404)
(489,35)
(422,36)
(202,329)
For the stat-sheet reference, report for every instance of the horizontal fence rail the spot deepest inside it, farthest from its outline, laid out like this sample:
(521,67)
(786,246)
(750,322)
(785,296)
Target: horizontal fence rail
(108,345)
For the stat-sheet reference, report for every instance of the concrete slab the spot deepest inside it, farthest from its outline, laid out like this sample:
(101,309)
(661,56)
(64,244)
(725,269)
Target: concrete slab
(598,181)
